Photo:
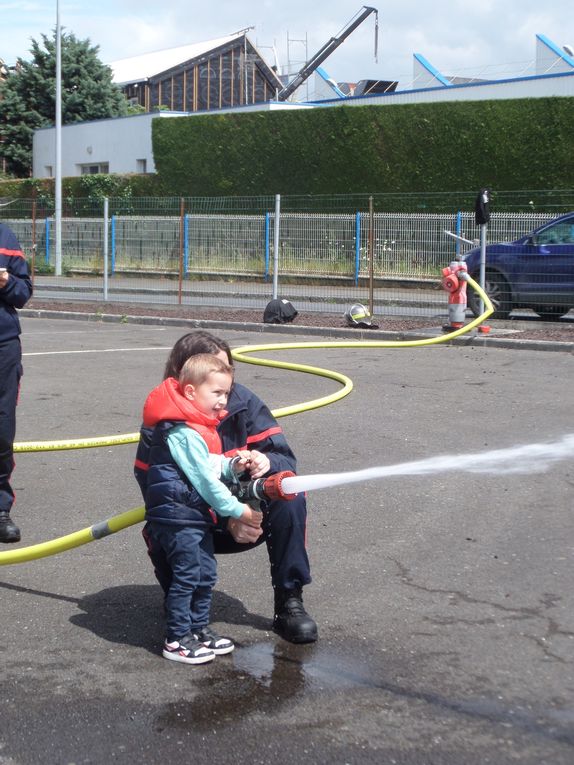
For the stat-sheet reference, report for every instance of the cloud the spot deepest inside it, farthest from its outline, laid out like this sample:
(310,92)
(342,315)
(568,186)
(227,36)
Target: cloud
(454,35)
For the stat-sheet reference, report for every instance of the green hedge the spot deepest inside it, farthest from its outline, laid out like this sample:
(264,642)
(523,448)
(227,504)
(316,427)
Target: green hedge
(512,144)
(410,149)
(85,186)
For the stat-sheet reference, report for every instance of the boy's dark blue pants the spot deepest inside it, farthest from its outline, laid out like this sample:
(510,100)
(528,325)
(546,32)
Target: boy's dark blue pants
(284,528)
(188,552)
(10,374)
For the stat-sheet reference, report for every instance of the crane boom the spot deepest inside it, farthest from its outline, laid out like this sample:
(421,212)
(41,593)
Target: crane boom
(326,51)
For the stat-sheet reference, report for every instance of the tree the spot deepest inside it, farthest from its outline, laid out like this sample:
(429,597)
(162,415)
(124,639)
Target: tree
(28,96)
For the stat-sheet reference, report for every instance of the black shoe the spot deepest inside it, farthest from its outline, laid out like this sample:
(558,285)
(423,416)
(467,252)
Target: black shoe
(9,532)
(210,639)
(291,621)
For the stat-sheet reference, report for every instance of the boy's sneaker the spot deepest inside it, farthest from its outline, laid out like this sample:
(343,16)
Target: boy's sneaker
(187,650)
(210,639)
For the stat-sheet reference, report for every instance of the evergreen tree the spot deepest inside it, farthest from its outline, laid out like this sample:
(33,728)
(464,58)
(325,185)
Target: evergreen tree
(28,96)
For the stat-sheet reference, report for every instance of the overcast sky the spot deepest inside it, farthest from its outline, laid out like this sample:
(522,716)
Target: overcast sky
(458,37)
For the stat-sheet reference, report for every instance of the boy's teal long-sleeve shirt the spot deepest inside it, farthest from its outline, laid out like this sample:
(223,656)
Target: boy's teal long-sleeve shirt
(205,471)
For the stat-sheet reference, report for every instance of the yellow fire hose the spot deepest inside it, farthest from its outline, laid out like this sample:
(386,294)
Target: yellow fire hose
(132,517)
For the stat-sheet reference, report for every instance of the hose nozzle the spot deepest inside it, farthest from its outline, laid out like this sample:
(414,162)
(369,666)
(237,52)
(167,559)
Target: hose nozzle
(264,488)
(272,486)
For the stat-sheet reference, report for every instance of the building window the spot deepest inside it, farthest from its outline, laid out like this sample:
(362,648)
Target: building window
(94,169)
(49,171)
(141,165)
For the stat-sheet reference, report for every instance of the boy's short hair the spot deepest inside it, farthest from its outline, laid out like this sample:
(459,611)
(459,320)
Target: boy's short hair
(197,369)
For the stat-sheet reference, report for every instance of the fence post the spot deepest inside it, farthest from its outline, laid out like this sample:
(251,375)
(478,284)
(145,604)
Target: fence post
(371,253)
(266,267)
(33,237)
(113,269)
(186,244)
(47,246)
(181,248)
(458,230)
(276,245)
(106,253)
(357,246)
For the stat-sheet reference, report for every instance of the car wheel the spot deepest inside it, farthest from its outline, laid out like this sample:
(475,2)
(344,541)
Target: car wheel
(551,312)
(497,289)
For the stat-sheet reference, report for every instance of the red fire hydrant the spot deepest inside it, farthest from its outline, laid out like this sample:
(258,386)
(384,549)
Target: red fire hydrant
(454,282)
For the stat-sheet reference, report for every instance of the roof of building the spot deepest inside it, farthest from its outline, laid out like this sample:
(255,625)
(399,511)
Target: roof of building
(138,68)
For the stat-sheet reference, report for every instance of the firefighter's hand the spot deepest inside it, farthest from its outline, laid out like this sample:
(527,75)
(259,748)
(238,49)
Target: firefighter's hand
(245,532)
(259,464)
(4,276)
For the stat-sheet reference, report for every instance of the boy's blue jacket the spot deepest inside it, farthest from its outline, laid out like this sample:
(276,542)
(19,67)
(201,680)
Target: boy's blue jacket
(19,288)
(249,424)
(170,498)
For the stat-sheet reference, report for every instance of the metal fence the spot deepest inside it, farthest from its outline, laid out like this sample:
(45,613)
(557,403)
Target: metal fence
(222,252)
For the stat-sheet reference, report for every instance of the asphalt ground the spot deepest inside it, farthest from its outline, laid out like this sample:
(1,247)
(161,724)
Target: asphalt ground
(444,601)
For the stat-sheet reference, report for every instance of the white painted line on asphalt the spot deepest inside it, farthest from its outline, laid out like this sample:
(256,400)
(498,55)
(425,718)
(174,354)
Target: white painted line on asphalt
(82,331)
(95,350)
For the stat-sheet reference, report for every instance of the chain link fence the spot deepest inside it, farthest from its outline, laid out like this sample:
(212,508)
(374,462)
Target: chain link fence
(222,251)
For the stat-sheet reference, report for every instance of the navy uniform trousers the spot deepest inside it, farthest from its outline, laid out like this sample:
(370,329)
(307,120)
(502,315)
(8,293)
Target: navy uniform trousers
(10,374)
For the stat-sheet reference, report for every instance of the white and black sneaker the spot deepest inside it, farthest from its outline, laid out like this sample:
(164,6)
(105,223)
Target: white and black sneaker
(210,639)
(187,650)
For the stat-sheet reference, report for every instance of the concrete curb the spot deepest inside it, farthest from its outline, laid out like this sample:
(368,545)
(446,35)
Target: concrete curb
(473,339)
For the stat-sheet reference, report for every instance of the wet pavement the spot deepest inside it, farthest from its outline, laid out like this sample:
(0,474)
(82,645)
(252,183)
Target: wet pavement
(444,602)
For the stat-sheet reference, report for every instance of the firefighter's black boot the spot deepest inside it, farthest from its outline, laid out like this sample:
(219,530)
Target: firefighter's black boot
(291,621)
(9,532)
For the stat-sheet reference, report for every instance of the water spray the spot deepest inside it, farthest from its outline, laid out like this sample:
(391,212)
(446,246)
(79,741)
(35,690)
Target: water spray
(519,459)
(286,485)
(531,458)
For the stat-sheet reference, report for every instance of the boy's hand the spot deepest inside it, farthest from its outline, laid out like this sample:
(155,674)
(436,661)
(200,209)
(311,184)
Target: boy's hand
(251,517)
(258,465)
(242,461)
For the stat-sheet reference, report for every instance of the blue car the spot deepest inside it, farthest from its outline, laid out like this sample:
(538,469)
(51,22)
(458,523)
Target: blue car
(536,271)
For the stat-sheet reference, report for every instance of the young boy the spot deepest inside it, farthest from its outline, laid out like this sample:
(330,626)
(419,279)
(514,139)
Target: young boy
(183,491)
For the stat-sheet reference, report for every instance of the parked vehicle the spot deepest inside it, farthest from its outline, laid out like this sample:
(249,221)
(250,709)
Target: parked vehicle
(535,271)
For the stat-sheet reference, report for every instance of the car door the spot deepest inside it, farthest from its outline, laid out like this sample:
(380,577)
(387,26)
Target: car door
(546,272)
